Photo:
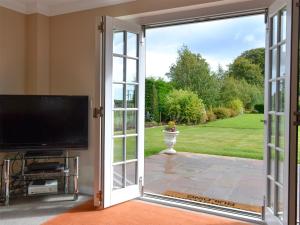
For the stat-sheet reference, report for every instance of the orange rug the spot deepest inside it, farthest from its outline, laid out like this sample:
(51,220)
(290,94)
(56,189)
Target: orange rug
(136,213)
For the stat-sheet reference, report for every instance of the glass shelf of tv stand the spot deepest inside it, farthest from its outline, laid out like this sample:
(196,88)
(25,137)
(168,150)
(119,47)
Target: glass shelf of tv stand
(26,177)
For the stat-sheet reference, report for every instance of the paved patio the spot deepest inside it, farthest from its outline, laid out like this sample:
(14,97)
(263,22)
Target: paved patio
(225,178)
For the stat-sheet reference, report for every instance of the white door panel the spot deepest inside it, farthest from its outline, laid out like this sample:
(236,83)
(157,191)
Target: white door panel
(279,151)
(123,133)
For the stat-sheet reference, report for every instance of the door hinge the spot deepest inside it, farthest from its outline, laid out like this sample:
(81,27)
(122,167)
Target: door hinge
(98,112)
(266,16)
(101,27)
(99,196)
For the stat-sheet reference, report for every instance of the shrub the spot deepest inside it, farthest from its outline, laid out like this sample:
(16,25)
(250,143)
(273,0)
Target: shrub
(185,107)
(259,108)
(211,116)
(237,106)
(171,127)
(222,112)
(232,112)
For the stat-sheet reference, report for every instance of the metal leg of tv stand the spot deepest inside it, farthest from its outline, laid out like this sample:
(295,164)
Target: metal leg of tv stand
(76,167)
(6,174)
(67,175)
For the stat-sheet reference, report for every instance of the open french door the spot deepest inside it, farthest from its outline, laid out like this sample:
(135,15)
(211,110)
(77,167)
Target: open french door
(122,157)
(280,148)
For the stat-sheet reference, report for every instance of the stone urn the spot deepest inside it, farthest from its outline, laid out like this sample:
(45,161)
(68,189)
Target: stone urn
(170,141)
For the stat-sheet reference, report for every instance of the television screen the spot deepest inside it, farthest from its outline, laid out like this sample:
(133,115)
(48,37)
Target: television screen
(43,122)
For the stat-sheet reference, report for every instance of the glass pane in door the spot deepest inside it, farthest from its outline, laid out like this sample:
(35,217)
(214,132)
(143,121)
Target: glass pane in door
(118,42)
(118,175)
(131,122)
(132,43)
(131,91)
(274,23)
(118,95)
(118,69)
(131,148)
(272,89)
(118,150)
(118,122)
(131,174)
(131,70)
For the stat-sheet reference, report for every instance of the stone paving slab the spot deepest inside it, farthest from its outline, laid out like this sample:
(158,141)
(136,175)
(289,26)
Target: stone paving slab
(227,178)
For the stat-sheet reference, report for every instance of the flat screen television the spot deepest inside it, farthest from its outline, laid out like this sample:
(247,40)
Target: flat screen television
(33,122)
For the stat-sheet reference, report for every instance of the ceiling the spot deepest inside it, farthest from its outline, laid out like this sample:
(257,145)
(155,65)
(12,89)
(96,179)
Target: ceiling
(56,7)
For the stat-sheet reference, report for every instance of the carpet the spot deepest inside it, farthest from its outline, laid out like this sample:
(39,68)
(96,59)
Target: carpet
(136,213)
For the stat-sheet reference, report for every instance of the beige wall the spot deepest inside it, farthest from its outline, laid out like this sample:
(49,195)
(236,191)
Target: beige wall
(12,52)
(38,54)
(73,72)
(24,53)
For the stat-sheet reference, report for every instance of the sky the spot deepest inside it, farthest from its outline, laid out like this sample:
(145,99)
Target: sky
(219,42)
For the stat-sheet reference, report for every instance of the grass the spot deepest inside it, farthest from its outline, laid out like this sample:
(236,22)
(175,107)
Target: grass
(242,136)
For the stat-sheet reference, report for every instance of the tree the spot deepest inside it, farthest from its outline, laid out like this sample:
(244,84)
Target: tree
(156,91)
(151,101)
(220,73)
(256,56)
(163,89)
(233,89)
(242,68)
(192,72)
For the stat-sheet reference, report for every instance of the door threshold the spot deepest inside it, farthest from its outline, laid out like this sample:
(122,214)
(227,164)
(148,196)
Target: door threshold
(216,210)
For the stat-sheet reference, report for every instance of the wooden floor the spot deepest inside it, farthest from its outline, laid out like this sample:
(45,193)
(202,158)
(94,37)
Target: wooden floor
(136,213)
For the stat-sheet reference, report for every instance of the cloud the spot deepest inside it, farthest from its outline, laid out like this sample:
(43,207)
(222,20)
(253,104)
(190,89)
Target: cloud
(215,61)
(249,38)
(159,58)
(158,63)
(218,41)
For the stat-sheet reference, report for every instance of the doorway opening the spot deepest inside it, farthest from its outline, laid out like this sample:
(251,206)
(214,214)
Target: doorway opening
(205,90)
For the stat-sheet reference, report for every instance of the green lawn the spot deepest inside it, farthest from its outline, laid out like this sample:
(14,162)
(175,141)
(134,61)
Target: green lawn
(242,136)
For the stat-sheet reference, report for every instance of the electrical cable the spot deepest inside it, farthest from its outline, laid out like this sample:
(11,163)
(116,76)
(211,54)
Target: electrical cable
(14,160)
